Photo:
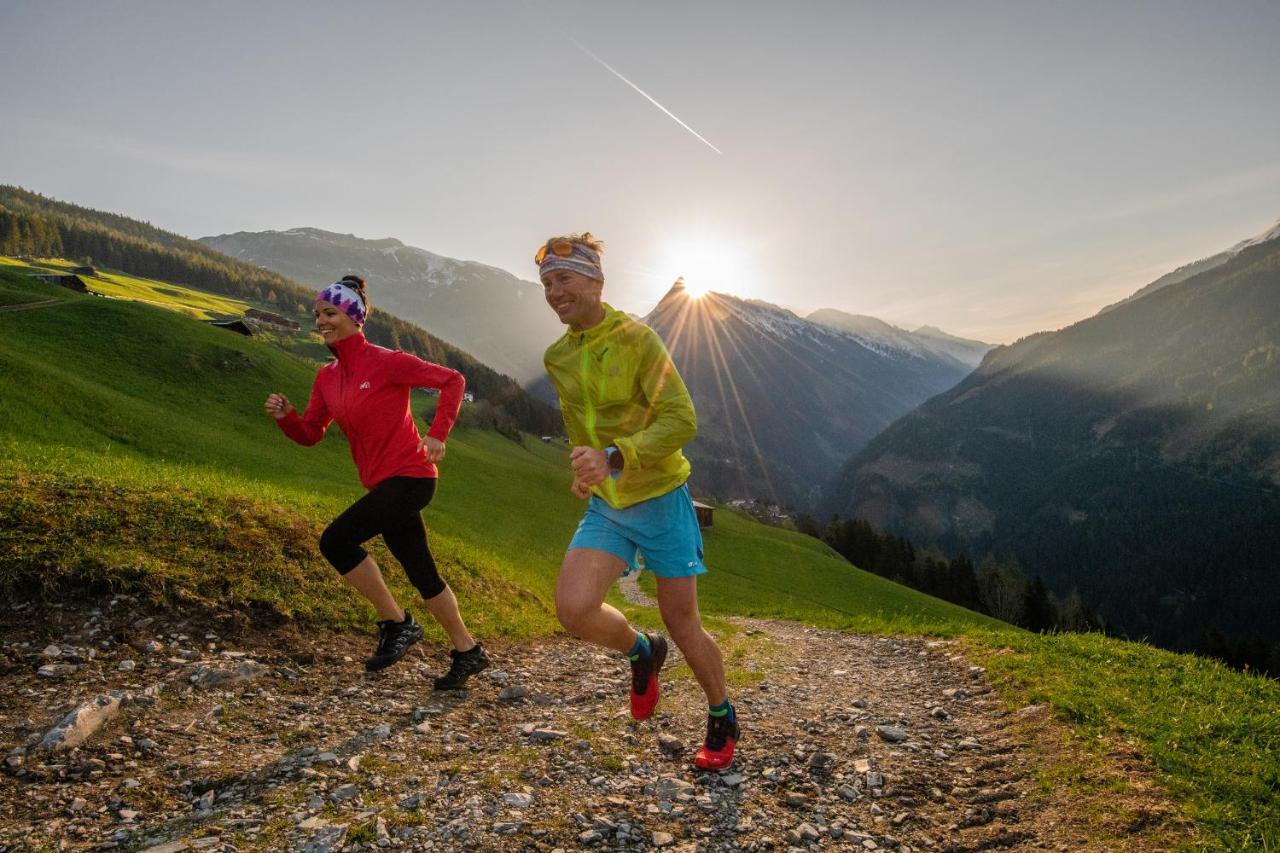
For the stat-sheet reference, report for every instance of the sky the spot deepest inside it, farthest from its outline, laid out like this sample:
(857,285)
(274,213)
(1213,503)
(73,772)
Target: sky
(993,169)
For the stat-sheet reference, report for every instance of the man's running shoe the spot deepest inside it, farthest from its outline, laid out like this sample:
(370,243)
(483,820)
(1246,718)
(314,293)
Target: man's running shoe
(465,664)
(722,737)
(644,678)
(394,639)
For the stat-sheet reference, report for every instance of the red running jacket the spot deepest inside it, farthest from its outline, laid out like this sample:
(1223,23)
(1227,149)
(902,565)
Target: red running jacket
(366,390)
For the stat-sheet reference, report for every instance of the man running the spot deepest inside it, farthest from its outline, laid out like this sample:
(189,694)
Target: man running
(628,414)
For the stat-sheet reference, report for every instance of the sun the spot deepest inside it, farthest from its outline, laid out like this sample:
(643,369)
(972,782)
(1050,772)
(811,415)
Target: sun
(695,290)
(708,265)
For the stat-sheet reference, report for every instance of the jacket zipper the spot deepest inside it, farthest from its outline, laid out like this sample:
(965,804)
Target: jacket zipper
(609,486)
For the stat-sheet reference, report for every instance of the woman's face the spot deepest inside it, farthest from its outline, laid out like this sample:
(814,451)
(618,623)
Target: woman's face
(332,322)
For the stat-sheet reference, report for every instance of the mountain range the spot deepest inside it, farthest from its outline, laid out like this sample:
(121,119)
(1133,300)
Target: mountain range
(784,401)
(844,376)
(926,341)
(497,317)
(1134,456)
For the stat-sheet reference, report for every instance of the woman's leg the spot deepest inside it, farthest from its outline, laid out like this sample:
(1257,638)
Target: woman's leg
(367,578)
(407,540)
(341,544)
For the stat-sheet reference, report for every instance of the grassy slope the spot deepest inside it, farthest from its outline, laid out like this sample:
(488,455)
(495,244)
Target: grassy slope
(193,303)
(136,453)
(18,289)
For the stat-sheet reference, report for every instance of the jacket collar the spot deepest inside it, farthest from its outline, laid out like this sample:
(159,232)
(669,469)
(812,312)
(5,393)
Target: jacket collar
(348,347)
(612,316)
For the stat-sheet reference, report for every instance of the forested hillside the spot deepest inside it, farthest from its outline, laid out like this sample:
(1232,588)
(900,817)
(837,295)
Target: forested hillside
(1134,456)
(31,224)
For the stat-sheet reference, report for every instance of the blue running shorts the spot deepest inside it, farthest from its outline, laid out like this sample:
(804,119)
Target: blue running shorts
(663,529)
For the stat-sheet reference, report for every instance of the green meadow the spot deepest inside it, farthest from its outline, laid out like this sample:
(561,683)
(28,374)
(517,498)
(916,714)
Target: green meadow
(118,285)
(137,456)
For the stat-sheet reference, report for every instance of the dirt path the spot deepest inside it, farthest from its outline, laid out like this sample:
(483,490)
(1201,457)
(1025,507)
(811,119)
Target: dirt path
(28,306)
(850,742)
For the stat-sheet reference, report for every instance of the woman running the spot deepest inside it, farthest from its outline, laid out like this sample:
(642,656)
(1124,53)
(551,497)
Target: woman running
(366,390)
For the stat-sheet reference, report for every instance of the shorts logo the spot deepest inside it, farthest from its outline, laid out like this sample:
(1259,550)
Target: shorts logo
(365,386)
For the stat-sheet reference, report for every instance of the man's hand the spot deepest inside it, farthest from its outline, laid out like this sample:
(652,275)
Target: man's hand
(590,466)
(278,406)
(580,490)
(433,447)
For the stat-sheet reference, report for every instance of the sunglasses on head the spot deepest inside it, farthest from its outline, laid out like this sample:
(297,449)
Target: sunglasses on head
(559,248)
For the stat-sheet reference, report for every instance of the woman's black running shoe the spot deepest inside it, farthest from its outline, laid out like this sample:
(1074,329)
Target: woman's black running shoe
(394,639)
(465,664)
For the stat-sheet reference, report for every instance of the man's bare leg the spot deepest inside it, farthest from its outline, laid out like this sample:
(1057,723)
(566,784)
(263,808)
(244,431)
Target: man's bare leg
(585,577)
(678,603)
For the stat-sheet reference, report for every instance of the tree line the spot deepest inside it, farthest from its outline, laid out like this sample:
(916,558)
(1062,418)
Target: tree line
(31,224)
(29,235)
(1000,588)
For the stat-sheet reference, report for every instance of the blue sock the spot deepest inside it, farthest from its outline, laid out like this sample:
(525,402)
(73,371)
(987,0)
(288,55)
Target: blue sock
(724,709)
(641,649)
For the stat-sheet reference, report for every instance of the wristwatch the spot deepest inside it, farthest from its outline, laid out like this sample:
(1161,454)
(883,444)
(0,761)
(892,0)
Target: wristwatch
(616,459)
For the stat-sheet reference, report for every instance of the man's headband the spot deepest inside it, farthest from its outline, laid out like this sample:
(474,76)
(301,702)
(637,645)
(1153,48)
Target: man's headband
(566,255)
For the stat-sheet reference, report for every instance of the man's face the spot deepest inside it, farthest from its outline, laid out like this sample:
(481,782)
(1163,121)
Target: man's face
(574,297)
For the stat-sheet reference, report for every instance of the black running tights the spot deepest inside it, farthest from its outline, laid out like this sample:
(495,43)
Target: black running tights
(392,508)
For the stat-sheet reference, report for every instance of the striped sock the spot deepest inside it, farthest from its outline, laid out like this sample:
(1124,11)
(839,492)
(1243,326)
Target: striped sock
(641,648)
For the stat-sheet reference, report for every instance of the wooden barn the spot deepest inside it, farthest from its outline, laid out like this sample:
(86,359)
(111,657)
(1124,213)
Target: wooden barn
(270,319)
(704,513)
(238,325)
(71,282)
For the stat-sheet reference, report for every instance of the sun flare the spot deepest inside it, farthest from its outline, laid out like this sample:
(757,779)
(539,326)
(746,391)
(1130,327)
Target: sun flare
(708,265)
(697,289)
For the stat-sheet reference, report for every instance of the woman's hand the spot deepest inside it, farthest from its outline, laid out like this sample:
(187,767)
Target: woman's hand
(580,489)
(433,447)
(278,406)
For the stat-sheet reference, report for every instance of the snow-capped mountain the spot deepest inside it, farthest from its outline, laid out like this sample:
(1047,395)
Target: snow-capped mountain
(498,318)
(924,342)
(1186,271)
(782,401)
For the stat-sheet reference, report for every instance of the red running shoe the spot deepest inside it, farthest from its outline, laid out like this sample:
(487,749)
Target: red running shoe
(644,678)
(722,737)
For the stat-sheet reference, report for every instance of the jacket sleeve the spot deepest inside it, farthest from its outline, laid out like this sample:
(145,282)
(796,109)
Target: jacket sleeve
(309,427)
(408,369)
(674,423)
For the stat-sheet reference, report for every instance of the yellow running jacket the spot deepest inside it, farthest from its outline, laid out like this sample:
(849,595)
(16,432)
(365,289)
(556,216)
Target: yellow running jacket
(618,387)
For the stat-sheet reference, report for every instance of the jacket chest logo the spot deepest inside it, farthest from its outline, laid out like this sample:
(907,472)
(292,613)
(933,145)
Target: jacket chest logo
(365,386)
(613,371)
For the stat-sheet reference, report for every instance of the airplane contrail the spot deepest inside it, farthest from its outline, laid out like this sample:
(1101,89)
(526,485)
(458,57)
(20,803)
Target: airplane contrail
(646,95)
